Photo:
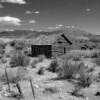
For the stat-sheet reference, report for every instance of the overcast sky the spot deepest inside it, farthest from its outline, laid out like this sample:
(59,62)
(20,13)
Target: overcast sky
(50,14)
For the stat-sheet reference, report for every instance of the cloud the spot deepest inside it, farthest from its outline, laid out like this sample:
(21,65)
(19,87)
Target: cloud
(88,9)
(31,12)
(1,6)
(58,26)
(14,1)
(36,12)
(7,20)
(32,21)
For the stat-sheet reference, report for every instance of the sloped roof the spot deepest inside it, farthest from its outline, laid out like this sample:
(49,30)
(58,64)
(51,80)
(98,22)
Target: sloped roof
(66,39)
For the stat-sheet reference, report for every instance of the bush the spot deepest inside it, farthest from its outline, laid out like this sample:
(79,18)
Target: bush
(37,60)
(85,80)
(13,43)
(4,60)
(20,45)
(41,71)
(14,74)
(53,66)
(2,45)
(41,58)
(34,62)
(76,71)
(19,59)
(50,90)
(68,70)
(97,61)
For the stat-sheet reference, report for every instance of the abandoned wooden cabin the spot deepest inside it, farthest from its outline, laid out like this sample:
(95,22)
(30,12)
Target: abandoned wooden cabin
(41,50)
(58,48)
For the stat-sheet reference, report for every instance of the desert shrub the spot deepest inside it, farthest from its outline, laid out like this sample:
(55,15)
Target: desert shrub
(76,92)
(14,74)
(94,55)
(4,60)
(34,62)
(13,43)
(19,59)
(97,61)
(50,90)
(85,79)
(76,58)
(72,70)
(53,66)
(41,58)
(67,70)
(1,56)
(2,51)
(2,45)
(20,45)
(41,71)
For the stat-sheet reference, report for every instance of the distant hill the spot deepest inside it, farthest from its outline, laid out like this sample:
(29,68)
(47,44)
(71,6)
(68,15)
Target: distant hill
(28,34)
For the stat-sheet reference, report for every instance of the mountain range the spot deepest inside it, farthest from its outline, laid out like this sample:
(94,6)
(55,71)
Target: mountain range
(28,34)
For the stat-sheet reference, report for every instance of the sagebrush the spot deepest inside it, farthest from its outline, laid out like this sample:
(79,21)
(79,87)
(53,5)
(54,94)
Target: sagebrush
(19,59)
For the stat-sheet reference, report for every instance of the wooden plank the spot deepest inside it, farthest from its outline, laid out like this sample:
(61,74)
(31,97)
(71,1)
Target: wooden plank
(33,92)
(6,74)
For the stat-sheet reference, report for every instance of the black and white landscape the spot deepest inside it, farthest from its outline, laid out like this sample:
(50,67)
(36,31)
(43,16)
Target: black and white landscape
(49,49)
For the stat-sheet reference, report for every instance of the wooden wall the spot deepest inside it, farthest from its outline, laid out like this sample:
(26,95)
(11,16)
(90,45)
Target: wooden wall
(60,47)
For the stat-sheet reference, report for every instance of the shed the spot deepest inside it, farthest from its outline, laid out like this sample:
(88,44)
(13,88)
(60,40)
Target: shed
(58,47)
(41,50)
(61,45)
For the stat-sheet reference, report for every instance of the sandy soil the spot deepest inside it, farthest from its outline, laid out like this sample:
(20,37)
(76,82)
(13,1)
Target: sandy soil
(42,84)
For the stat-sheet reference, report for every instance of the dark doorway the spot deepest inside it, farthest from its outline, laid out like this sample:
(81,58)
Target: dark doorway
(41,50)
(64,50)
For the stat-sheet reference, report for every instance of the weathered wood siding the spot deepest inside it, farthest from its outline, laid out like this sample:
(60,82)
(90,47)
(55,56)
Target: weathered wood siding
(60,47)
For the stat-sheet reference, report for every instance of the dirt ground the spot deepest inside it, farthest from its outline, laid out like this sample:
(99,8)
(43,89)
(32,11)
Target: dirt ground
(44,83)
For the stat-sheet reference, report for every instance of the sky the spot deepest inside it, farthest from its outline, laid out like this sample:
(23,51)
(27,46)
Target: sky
(50,14)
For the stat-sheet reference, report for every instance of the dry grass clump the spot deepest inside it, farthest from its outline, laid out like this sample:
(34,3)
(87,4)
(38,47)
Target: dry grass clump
(67,70)
(2,48)
(50,90)
(34,62)
(85,80)
(97,61)
(4,60)
(2,44)
(19,59)
(13,43)
(41,71)
(20,45)
(14,74)
(78,54)
(77,72)
(39,59)
(53,66)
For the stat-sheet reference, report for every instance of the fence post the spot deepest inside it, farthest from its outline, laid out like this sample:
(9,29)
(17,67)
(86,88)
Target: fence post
(33,92)
(7,79)
(19,89)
